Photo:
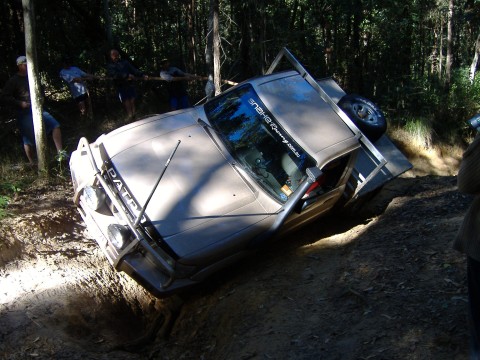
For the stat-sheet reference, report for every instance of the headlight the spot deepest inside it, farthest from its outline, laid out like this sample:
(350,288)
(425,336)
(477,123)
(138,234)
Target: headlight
(118,235)
(94,197)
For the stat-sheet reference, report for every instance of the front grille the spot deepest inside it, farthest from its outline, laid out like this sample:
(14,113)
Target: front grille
(123,193)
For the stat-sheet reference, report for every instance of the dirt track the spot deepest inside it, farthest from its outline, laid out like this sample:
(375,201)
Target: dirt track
(382,285)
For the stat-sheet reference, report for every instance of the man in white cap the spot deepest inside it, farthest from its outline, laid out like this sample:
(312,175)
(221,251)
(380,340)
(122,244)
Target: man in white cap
(16,93)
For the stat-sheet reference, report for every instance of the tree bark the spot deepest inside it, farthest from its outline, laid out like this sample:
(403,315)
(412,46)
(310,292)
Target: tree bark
(243,19)
(262,35)
(216,48)
(34,85)
(440,54)
(191,45)
(473,66)
(213,46)
(448,65)
(293,18)
(108,24)
(209,45)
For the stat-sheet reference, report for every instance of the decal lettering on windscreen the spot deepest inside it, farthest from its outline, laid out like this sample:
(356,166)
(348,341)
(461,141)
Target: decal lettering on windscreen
(275,128)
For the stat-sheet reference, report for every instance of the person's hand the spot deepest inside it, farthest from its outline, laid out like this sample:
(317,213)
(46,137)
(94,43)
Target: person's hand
(24,104)
(145,77)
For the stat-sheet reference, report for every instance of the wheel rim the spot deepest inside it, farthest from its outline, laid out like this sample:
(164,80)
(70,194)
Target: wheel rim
(364,113)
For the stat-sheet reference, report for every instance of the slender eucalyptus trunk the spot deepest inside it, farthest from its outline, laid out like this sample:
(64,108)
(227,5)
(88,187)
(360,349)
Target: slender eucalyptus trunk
(190,15)
(473,66)
(213,46)
(216,48)
(448,65)
(440,55)
(34,84)
(108,23)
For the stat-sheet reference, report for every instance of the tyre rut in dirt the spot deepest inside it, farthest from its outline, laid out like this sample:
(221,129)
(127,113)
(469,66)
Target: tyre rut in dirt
(365,115)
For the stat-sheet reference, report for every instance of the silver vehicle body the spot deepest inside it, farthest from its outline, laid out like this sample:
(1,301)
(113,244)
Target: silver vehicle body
(186,205)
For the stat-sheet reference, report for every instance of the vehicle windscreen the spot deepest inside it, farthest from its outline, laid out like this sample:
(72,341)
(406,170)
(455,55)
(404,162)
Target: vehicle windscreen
(258,142)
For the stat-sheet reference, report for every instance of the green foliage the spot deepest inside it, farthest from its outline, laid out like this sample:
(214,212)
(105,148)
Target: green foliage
(458,105)
(390,51)
(420,130)
(7,190)
(4,201)
(61,164)
(431,111)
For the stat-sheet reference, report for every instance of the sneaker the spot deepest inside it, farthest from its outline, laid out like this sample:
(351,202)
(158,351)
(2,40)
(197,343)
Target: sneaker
(62,155)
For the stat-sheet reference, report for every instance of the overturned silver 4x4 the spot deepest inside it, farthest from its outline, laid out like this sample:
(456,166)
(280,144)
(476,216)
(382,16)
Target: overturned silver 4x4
(173,198)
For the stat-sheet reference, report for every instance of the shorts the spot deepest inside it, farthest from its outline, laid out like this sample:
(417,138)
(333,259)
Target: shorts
(25,124)
(126,93)
(81,98)
(179,102)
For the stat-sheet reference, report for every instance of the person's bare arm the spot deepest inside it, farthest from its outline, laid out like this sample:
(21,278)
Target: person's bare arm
(469,174)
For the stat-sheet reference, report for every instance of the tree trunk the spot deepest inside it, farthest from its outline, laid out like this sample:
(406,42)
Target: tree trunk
(108,24)
(434,52)
(356,63)
(209,47)
(294,15)
(262,35)
(190,16)
(216,48)
(213,46)
(34,84)
(440,53)
(473,67)
(448,65)
(243,19)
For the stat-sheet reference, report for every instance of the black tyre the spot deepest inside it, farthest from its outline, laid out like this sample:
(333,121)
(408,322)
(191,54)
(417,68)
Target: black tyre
(365,115)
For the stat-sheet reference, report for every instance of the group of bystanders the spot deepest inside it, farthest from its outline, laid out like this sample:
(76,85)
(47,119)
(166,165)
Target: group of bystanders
(16,93)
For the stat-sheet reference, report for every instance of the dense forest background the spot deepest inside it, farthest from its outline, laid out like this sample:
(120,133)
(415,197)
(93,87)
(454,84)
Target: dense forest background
(415,58)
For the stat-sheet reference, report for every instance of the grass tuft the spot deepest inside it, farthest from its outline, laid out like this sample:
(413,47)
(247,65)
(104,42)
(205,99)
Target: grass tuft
(14,179)
(420,132)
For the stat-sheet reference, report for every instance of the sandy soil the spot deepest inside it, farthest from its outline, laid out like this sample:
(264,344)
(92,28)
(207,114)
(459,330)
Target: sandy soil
(383,284)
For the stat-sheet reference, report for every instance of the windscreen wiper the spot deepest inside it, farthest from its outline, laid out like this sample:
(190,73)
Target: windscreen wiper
(207,127)
(204,124)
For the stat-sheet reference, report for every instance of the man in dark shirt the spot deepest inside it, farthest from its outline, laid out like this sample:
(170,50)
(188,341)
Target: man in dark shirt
(176,85)
(122,73)
(16,93)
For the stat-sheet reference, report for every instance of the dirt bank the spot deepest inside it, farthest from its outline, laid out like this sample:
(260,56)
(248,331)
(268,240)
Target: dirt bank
(384,284)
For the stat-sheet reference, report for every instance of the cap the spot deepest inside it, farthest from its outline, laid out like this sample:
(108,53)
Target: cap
(21,60)
(163,61)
